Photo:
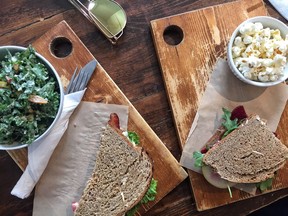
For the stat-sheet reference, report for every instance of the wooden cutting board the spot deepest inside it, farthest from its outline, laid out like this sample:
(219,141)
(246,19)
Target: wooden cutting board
(188,46)
(103,89)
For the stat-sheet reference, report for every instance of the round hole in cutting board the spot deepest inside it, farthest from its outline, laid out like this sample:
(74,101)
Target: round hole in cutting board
(173,35)
(61,47)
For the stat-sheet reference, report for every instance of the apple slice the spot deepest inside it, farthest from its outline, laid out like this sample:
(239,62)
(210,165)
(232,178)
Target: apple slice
(214,178)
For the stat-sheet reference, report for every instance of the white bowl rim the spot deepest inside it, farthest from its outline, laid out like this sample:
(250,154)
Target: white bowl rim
(48,130)
(230,58)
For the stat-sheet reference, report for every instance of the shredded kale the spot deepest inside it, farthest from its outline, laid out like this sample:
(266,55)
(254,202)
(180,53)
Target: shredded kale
(149,196)
(21,76)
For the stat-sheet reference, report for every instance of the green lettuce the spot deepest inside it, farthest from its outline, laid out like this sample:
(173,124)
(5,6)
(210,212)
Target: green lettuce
(133,137)
(198,156)
(149,196)
(229,124)
(264,185)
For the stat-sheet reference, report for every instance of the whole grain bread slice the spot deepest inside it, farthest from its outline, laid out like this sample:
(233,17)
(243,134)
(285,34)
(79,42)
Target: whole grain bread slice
(120,179)
(249,154)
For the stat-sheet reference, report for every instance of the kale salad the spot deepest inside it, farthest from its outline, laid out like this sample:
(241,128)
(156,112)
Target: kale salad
(29,97)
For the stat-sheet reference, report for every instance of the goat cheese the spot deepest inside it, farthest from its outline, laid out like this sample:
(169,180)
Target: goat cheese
(260,53)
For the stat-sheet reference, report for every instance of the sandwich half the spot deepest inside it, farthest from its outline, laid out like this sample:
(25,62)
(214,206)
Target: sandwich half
(249,154)
(242,150)
(121,177)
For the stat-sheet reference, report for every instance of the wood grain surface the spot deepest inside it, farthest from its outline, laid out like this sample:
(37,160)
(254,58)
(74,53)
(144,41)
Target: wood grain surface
(134,67)
(186,68)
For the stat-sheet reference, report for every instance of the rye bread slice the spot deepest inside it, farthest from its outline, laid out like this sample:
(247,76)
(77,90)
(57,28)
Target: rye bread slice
(120,179)
(250,154)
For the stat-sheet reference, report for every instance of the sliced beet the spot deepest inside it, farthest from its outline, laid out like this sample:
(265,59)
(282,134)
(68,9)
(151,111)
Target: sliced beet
(238,113)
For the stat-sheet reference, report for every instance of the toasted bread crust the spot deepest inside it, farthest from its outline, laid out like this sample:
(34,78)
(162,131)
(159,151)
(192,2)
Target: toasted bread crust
(146,156)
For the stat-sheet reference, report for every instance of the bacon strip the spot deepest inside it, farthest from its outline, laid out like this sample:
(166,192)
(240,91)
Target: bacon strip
(114,121)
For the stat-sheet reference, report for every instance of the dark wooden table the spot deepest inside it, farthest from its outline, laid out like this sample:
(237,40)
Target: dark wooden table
(24,21)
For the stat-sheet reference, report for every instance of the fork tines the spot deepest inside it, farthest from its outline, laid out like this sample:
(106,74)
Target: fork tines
(78,81)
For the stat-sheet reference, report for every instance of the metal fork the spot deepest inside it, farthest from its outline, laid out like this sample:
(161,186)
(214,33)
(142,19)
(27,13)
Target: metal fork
(75,81)
(79,81)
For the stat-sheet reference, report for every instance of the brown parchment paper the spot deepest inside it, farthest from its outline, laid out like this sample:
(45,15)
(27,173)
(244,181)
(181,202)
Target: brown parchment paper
(225,90)
(72,162)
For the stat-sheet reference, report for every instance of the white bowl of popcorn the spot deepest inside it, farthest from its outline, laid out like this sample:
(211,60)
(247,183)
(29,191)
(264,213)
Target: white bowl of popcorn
(257,51)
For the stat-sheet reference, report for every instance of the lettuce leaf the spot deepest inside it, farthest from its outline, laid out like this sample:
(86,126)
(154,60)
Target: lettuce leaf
(133,137)
(198,156)
(229,124)
(149,196)
(263,186)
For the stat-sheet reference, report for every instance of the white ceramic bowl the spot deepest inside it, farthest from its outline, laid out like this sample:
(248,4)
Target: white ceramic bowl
(13,49)
(266,22)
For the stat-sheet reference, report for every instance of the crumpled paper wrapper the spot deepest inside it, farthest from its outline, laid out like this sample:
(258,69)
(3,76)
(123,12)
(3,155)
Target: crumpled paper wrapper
(225,90)
(73,160)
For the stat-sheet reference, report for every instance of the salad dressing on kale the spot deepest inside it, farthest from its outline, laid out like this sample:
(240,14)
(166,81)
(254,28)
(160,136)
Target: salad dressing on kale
(29,98)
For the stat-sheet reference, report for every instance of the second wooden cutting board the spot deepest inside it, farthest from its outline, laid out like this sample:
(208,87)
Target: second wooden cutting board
(188,46)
